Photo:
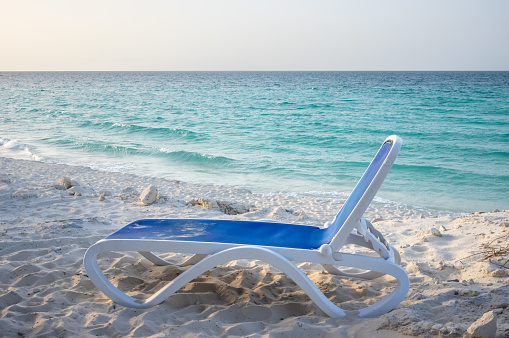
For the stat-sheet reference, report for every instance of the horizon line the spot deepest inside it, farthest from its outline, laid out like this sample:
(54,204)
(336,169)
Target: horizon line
(245,71)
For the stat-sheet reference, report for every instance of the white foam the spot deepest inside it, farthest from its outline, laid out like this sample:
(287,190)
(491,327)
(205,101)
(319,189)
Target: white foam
(13,144)
(330,195)
(108,166)
(33,156)
(16,145)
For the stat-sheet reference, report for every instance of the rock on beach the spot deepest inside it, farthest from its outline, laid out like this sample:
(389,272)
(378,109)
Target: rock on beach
(226,207)
(149,195)
(66,182)
(484,327)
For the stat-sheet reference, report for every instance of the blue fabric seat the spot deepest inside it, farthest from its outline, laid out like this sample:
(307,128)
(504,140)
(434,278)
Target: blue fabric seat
(224,231)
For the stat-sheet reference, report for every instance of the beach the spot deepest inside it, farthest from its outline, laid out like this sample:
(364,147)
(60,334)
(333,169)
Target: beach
(45,291)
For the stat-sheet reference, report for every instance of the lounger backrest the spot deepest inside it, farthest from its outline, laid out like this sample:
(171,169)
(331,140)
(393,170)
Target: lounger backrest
(363,193)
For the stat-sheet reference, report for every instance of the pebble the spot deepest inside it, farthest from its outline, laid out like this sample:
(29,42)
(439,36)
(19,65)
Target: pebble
(496,272)
(56,248)
(484,327)
(149,195)
(440,265)
(435,232)
(66,182)
(232,208)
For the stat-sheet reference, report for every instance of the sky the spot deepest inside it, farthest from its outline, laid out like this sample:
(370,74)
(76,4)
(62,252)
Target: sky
(253,35)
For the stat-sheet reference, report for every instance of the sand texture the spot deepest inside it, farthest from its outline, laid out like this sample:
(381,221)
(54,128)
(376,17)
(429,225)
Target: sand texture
(45,229)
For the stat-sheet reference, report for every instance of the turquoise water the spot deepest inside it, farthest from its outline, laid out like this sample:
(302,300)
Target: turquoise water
(293,132)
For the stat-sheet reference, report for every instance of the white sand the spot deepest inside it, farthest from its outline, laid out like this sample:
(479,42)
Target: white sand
(44,290)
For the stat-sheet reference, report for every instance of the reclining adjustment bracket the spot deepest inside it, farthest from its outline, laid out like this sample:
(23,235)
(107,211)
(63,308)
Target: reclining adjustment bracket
(373,236)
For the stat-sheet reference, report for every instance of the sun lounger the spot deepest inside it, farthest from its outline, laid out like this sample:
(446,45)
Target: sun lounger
(214,242)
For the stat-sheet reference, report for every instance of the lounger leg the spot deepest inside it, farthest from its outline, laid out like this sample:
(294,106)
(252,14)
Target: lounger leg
(248,252)
(100,280)
(154,258)
(243,252)
(390,301)
(255,253)
(159,261)
(362,275)
(193,259)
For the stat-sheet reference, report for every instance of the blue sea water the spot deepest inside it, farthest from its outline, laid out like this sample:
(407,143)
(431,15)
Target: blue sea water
(291,132)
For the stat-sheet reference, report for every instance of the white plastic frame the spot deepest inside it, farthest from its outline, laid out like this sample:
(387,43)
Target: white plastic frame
(208,255)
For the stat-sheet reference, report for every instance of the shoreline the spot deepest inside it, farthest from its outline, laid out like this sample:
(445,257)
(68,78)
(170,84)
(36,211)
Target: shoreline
(45,291)
(328,195)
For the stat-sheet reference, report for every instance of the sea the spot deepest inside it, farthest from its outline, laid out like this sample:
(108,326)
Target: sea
(296,133)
